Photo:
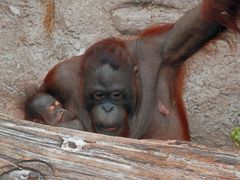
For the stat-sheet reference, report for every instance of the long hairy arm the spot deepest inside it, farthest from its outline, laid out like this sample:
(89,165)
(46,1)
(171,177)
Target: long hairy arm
(197,27)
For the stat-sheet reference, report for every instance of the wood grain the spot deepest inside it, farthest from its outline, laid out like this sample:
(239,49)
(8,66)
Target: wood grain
(30,149)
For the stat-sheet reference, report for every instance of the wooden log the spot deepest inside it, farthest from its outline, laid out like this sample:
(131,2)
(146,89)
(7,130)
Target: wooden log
(34,151)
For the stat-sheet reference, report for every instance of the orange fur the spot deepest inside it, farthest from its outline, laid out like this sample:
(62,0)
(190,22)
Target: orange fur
(157,29)
(177,90)
(213,12)
(225,15)
(223,12)
(177,95)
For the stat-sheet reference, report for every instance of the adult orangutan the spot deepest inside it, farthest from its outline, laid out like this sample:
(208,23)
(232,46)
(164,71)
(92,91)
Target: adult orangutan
(132,88)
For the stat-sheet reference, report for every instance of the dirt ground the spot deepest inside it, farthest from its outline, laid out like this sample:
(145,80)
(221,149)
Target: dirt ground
(36,35)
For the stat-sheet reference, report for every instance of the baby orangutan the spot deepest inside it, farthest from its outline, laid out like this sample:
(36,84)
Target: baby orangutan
(47,110)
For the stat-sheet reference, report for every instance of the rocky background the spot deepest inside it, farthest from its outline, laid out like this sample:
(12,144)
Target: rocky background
(36,35)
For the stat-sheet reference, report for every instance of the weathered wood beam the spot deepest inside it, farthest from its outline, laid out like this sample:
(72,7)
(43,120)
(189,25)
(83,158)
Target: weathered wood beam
(34,151)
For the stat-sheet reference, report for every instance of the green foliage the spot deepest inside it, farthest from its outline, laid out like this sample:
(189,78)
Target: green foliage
(235,135)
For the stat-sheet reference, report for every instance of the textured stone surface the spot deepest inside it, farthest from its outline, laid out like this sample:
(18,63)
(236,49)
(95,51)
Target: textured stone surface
(35,35)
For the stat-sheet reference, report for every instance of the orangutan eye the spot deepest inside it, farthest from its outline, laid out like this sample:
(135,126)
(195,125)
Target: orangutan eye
(57,104)
(99,96)
(116,95)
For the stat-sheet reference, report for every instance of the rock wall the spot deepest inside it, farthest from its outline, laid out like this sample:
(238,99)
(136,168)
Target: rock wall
(36,35)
